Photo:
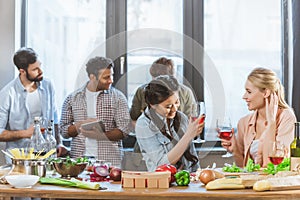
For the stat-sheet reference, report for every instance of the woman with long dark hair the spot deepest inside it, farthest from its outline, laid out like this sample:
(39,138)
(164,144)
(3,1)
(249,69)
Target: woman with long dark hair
(165,134)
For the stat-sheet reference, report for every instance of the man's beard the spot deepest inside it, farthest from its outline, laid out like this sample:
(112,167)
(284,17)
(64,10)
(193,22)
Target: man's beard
(35,79)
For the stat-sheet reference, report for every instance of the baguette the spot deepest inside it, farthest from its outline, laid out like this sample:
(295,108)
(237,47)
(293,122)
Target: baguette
(225,183)
(278,183)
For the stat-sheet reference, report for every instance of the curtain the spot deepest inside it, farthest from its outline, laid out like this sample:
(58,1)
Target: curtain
(296,57)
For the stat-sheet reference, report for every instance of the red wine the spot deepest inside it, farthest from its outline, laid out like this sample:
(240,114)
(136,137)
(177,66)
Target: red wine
(276,160)
(226,134)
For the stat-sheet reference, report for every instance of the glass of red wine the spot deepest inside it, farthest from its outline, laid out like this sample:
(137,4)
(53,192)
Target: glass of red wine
(277,153)
(225,132)
(198,109)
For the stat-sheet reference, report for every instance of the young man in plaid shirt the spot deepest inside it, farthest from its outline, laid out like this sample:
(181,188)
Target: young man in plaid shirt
(96,100)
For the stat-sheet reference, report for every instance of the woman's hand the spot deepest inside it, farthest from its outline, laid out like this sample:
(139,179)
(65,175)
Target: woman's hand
(271,108)
(195,127)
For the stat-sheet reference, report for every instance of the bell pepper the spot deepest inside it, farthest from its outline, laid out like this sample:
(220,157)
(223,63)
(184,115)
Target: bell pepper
(182,178)
(167,167)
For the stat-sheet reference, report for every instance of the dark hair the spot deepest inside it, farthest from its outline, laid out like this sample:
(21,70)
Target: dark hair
(24,57)
(162,66)
(157,91)
(97,63)
(160,88)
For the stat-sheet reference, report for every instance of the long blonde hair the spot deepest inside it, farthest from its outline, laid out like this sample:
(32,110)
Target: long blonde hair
(266,79)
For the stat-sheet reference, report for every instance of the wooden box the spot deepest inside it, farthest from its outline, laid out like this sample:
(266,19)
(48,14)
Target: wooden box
(136,179)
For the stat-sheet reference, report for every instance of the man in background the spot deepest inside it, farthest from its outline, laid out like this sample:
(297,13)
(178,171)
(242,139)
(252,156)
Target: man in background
(96,100)
(27,96)
(162,66)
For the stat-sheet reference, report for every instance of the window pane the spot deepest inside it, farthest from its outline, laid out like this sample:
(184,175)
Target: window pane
(152,14)
(64,34)
(239,36)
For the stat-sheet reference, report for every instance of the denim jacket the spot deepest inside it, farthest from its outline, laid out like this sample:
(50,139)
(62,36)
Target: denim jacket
(155,146)
(14,113)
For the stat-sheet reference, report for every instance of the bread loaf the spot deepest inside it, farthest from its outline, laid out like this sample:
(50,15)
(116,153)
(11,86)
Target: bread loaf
(278,183)
(225,183)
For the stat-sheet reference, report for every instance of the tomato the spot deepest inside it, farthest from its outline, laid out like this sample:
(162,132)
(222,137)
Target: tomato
(168,167)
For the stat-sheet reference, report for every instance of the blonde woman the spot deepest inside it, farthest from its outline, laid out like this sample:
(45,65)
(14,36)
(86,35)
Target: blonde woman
(271,120)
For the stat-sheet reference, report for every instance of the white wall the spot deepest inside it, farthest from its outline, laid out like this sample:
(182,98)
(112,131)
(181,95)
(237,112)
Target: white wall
(7,41)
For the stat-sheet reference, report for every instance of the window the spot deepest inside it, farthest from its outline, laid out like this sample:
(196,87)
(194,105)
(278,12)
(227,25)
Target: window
(65,34)
(144,20)
(239,35)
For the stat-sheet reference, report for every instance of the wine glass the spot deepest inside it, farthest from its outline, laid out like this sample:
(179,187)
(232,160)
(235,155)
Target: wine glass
(224,130)
(277,153)
(198,109)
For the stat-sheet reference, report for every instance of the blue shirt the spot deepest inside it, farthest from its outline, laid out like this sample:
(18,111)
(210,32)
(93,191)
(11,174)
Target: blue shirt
(155,146)
(14,113)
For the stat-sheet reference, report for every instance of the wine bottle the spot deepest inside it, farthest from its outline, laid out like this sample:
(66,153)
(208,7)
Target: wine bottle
(295,149)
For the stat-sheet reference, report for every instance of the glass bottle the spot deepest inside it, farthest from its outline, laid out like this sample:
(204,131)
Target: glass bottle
(295,149)
(49,138)
(37,142)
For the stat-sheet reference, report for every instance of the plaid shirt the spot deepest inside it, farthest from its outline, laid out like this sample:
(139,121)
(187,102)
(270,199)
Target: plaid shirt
(112,109)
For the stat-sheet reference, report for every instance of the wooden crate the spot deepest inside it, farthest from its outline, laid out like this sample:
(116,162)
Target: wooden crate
(136,179)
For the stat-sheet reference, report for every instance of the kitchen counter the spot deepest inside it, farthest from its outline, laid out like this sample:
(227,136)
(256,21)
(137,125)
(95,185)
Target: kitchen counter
(115,191)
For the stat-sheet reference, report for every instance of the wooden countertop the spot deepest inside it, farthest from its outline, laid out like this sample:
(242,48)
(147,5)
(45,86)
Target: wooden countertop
(115,191)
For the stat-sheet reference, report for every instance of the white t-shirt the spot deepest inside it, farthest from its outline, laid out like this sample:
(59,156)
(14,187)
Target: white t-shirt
(33,102)
(91,145)
(254,149)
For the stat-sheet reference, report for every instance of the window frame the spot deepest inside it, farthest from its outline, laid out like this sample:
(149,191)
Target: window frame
(193,11)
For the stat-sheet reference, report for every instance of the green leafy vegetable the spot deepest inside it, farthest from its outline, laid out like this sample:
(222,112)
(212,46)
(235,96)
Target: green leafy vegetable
(70,183)
(69,161)
(232,168)
(283,166)
(251,166)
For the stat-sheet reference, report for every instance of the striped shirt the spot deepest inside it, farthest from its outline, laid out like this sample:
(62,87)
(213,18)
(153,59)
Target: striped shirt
(112,109)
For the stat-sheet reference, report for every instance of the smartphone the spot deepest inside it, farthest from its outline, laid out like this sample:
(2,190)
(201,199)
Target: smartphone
(97,124)
(202,119)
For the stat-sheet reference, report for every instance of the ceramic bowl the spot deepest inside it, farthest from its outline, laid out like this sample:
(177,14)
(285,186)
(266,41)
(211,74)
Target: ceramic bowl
(22,181)
(4,170)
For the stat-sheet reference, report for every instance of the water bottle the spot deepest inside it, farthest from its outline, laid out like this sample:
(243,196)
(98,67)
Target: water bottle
(50,139)
(38,142)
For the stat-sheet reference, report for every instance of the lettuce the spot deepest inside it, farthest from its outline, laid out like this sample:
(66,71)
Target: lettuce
(283,166)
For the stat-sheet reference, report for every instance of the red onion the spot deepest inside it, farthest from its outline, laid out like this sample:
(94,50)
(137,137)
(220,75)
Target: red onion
(115,174)
(101,170)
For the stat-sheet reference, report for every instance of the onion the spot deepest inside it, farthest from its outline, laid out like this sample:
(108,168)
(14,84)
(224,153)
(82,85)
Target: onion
(101,170)
(206,176)
(115,174)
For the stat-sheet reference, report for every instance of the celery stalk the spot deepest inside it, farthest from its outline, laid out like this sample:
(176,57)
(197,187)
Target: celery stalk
(71,183)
